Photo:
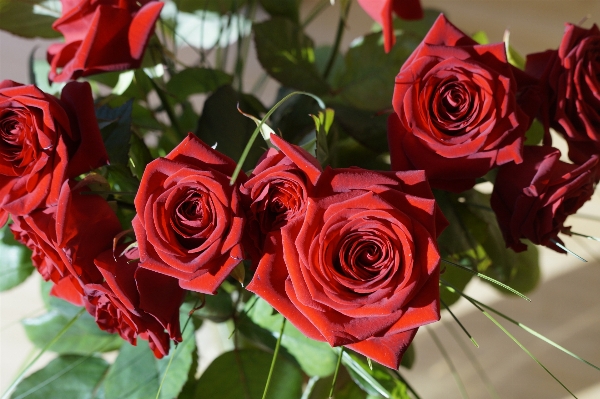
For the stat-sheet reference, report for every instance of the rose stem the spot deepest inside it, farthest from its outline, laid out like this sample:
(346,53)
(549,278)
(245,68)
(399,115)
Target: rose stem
(274,358)
(335,374)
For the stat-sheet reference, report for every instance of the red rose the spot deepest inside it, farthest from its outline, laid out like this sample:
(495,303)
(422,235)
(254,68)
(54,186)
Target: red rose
(135,302)
(532,200)
(65,238)
(189,220)
(275,194)
(381,11)
(456,107)
(571,78)
(101,36)
(361,267)
(44,141)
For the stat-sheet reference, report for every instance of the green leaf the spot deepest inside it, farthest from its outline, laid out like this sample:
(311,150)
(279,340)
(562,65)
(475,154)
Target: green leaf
(347,152)
(417,28)
(314,357)
(535,133)
(371,381)
(243,374)
(323,121)
(223,125)
(84,336)
(28,19)
(66,377)
(115,126)
(220,6)
(196,81)
(15,265)
(121,179)
(367,81)
(367,127)
(139,156)
(514,58)
(217,308)
(287,54)
(180,368)
(282,8)
(481,37)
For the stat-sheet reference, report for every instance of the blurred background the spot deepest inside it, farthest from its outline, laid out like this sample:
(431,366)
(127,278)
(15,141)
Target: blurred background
(565,307)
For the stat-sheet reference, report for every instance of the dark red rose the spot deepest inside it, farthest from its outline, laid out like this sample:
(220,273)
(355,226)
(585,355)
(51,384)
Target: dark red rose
(361,267)
(532,200)
(456,107)
(571,78)
(189,221)
(135,302)
(65,238)
(275,194)
(101,36)
(44,141)
(381,11)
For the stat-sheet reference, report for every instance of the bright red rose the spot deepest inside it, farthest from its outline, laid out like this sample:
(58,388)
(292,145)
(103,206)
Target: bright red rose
(65,238)
(44,141)
(456,111)
(532,200)
(361,267)
(133,301)
(381,11)
(275,194)
(571,78)
(189,220)
(101,36)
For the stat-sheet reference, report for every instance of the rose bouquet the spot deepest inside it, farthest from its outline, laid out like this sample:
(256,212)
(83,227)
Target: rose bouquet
(156,196)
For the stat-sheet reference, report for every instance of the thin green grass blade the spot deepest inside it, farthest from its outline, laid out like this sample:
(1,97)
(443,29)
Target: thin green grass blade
(335,374)
(44,349)
(453,370)
(352,364)
(274,358)
(459,323)
(474,362)
(484,277)
(532,332)
(238,168)
(516,341)
(408,386)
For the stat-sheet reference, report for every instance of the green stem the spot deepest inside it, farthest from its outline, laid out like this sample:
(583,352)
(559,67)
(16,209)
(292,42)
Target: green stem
(317,9)
(244,155)
(446,357)
(274,358)
(408,386)
(338,40)
(335,374)
(168,109)
(44,350)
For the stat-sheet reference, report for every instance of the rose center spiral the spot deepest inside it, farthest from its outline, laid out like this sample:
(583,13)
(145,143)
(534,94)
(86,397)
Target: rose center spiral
(363,258)
(452,107)
(190,218)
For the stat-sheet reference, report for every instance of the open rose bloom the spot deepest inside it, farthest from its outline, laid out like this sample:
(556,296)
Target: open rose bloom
(219,241)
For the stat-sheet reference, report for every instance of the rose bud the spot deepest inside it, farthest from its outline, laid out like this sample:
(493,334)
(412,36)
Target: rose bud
(275,194)
(189,220)
(135,302)
(571,79)
(456,110)
(381,11)
(533,199)
(101,36)
(44,141)
(65,238)
(361,268)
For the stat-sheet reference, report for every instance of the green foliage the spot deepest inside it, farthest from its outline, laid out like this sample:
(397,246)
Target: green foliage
(223,125)
(417,28)
(323,121)
(243,374)
(282,8)
(115,126)
(196,81)
(315,358)
(288,56)
(367,127)
(15,265)
(28,19)
(84,336)
(66,377)
(137,374)
(535,133)
(219,6)
(217,308)
(367,81)
(139,156)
